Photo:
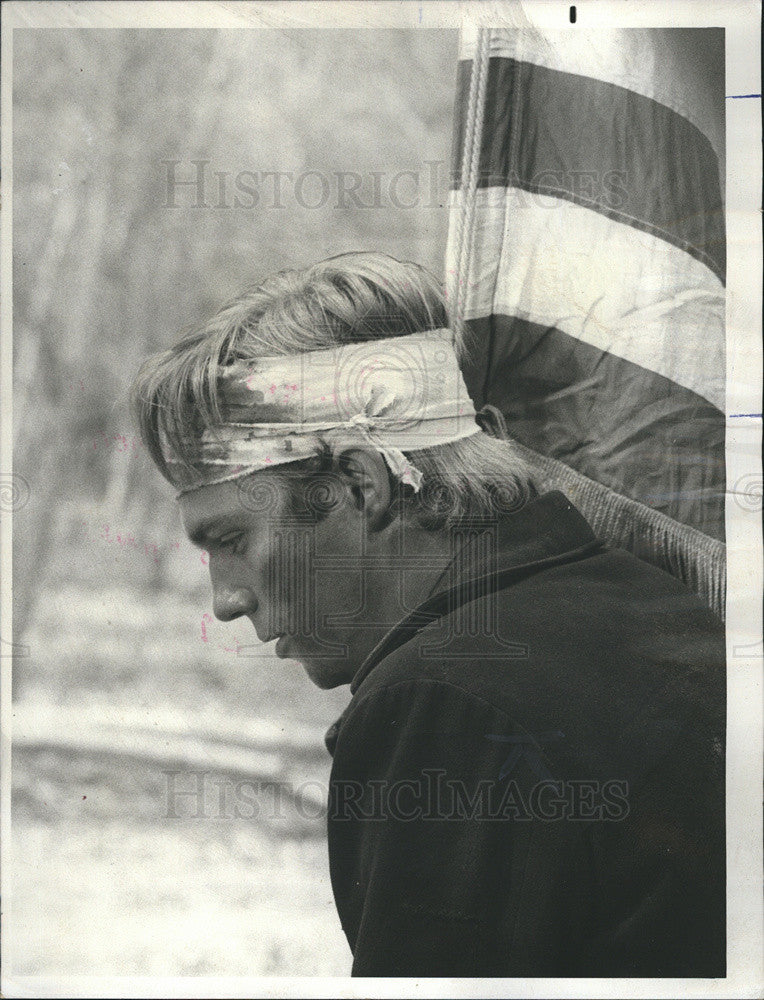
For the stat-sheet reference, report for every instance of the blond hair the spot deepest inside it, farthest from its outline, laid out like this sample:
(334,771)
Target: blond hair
(350,298)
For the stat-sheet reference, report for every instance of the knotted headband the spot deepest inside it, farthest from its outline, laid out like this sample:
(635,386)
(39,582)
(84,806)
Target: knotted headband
(400,394)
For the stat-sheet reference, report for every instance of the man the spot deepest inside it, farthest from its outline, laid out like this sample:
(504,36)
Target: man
(529,777)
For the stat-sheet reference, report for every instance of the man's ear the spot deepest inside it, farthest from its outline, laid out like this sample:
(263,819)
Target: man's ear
(368,480)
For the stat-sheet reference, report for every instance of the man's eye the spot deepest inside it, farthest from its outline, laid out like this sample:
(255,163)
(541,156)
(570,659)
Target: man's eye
(232,543)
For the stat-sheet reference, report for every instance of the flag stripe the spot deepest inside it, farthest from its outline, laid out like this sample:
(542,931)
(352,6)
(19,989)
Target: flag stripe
(641,163)
(621,290)
(616,422)
(679,67)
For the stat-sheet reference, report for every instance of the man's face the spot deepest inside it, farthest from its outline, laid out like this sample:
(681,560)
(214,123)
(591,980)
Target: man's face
(268,563)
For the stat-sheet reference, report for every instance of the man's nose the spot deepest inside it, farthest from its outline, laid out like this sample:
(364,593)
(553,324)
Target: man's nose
(232,602)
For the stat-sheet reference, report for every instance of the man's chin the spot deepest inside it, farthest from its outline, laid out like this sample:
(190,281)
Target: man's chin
(326,673)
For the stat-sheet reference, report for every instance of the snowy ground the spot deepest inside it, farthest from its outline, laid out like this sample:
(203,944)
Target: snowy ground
(116,871)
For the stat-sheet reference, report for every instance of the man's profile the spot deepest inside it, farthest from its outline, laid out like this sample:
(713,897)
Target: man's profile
(529,777)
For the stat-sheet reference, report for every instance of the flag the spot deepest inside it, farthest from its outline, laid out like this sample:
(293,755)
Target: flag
(586,267)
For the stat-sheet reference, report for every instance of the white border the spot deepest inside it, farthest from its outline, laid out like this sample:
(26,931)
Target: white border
(744,323)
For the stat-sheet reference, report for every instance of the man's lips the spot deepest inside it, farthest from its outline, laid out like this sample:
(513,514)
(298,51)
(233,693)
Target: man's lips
(270,636)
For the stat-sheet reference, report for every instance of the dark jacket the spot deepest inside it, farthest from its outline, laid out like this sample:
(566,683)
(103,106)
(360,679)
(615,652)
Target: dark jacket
(529,778)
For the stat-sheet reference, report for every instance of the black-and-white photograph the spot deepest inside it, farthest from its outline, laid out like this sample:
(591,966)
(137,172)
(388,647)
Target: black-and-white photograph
(386,402)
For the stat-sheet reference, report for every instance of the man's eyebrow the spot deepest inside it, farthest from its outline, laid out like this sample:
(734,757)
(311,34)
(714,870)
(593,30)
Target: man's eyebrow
(205,531)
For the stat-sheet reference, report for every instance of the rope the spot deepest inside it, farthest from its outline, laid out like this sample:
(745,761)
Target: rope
(470,176)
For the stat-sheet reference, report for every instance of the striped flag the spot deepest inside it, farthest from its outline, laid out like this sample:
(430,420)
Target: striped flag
(586,258)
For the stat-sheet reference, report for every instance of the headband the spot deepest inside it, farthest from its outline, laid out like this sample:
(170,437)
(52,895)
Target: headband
(401,393)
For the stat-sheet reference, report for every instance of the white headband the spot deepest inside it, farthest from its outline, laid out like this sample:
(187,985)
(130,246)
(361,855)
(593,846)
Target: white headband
(402,393)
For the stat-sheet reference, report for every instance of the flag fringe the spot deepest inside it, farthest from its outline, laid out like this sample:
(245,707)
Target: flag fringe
(691,556)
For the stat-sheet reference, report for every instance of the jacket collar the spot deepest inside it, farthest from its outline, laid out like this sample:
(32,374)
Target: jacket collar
(547,531)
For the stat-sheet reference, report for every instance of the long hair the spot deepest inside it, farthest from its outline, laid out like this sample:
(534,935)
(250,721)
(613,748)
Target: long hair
(346,299)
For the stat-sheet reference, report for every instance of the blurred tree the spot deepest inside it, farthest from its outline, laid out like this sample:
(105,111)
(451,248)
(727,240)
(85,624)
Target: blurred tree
(106,270)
